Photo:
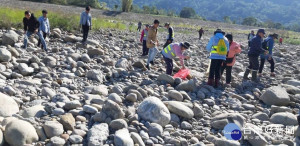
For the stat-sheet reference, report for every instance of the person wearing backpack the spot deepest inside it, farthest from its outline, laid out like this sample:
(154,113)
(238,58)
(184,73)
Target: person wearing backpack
(253,54)
(268,45)
(234,49)
(174,50)
(218,46)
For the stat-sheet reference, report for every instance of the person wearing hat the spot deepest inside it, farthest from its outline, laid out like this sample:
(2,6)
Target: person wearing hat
(268,45)
(143,40)
(152,43)
(253,54)
(44,29)
(174,50)
(170,36)
(86,23)
(216,57)
(234,49)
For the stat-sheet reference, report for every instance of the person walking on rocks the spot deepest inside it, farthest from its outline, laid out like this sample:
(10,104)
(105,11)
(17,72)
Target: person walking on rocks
(268,45)
(280,40)
(174,50)
(170,37)
(218,46)
(143,40)
(31,25)
(86,23)
(201,32)
(152,43)
(253,54)
(250,37)
(139,26)
(234,48)
(44,29)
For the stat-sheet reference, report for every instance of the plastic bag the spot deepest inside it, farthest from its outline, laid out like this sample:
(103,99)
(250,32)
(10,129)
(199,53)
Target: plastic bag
(183,73)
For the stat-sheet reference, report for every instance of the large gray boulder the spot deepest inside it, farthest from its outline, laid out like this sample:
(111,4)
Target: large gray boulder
(187,86)
(95,75)
(251,130)
(53,128)
(122,138)
(275,95)
(10,38)
(98,134)
(25,70)
(221,120)
(284,118)
(34,111)
(180,109)
(19,132)
(153,110)
(8,106)
(5,55)
(167,78)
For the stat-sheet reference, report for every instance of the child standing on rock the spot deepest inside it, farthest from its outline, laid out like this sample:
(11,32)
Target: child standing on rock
(234,48)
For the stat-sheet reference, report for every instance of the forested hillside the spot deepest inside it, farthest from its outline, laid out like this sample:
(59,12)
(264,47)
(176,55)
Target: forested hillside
(283,11)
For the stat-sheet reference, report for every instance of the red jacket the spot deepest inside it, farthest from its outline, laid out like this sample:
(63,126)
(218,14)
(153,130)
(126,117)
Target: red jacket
(142,35)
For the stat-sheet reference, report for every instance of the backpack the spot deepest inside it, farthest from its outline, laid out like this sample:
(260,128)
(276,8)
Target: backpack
(221,48)
(265,44)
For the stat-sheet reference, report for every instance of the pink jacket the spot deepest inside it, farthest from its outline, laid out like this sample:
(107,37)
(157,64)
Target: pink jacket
(234,49)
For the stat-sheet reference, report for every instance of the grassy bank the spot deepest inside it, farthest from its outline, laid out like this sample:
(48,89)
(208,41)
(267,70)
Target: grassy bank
(13,18)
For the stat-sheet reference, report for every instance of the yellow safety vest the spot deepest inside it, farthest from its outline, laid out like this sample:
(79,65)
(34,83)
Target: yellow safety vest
(170,49)
(214,50)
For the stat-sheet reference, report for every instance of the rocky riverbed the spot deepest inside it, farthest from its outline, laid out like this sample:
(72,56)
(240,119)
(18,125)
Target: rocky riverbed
(102,94)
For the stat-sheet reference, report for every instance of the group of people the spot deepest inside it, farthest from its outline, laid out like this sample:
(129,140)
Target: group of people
(263,48)
(222,48)
(170,50)
(41,27)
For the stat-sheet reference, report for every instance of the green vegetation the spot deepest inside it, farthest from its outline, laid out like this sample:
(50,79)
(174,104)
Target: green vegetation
(81,3)
(279,14)
(13,18)
(187,12)
(126,5)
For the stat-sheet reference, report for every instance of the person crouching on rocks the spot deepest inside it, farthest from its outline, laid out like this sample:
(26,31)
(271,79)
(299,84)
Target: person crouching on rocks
(218,46)
(234,48)
(174,50)
(253,54)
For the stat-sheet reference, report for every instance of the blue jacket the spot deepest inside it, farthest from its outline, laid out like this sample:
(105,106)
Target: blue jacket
(44,24)
(256,47)
(270,44)
(214,42)
(86,19)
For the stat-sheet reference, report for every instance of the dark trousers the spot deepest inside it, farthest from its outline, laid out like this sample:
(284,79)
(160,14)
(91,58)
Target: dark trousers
(200,36)
(253,63)
(85,31)
(145,49)
(228,72)
(262,63)
(214,71)
(139,28)
(168,42)
(169,63)
(39,42)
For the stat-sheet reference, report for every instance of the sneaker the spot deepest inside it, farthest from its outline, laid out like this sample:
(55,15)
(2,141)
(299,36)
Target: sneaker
(23,47)
(260,75)
(151,62)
